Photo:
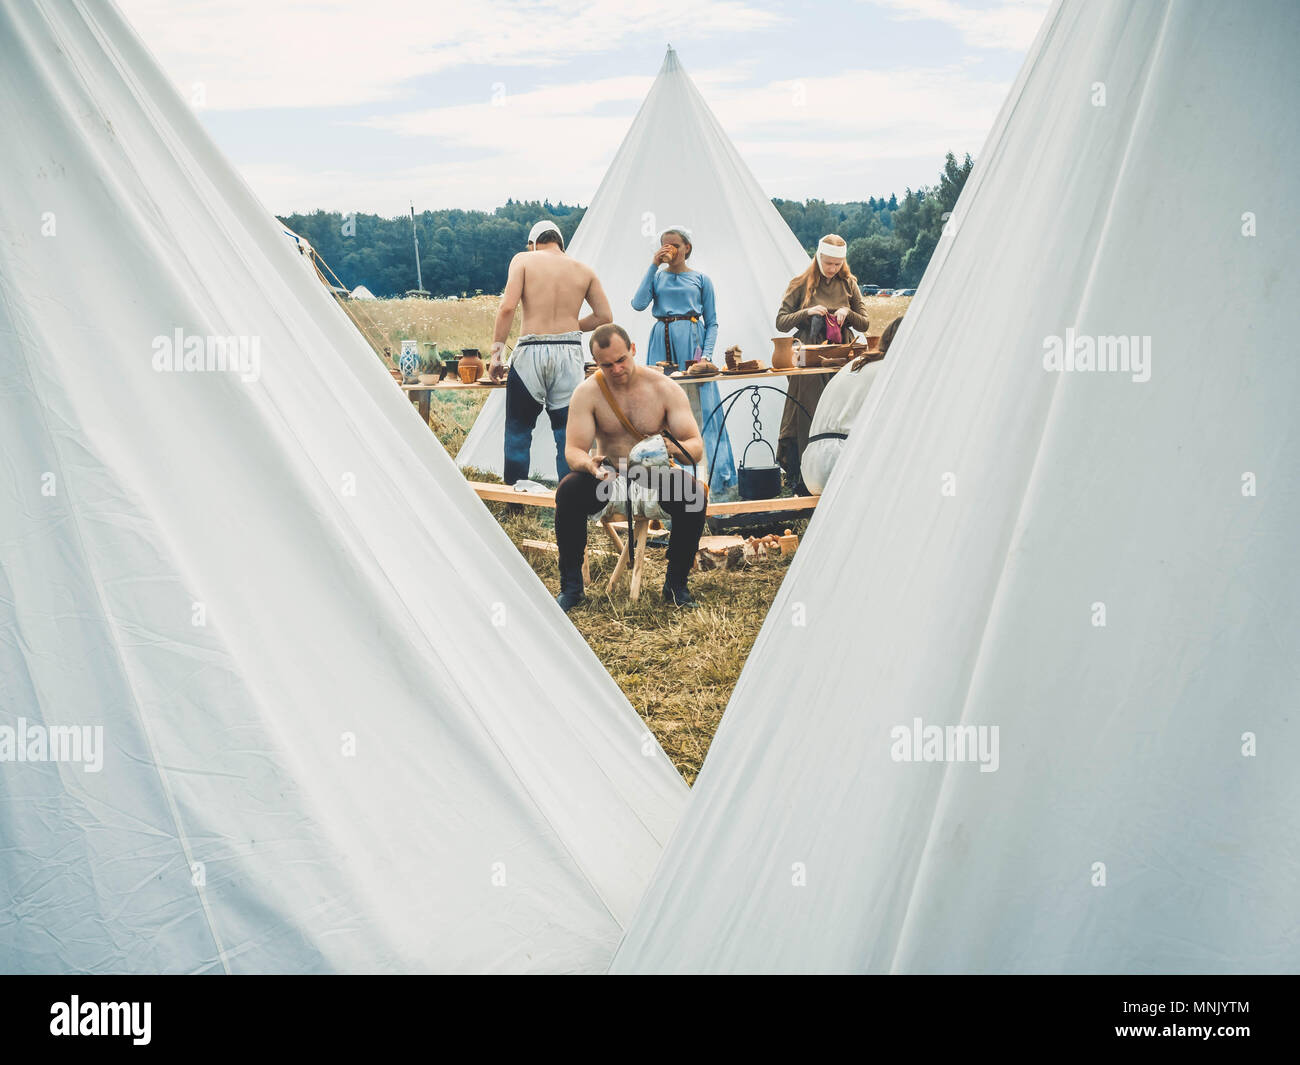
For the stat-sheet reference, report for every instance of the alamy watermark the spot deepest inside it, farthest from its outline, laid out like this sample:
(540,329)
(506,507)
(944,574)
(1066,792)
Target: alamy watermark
(919,742)
(179,353)
(653,483)
(53,743)
(77,1018)
(1081,353)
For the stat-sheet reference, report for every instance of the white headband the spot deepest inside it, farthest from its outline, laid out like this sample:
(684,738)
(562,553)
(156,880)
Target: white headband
(680,230)
(540,228)
(832,251)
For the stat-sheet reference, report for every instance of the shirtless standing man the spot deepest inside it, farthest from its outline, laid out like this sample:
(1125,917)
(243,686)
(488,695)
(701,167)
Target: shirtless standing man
(547,364)
(652,403)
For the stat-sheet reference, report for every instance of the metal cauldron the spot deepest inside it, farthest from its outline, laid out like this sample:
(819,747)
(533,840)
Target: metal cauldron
(758,482)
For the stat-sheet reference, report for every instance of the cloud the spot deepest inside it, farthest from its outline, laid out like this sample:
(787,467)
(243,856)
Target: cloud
(509,131)
(839,136)
(251,54)
(1007,24)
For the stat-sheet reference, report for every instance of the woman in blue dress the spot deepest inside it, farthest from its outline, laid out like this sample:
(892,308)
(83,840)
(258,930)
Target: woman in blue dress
(687,327)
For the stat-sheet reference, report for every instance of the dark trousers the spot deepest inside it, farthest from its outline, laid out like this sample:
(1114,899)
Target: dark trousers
(521,418)
(577,498)
(796,425)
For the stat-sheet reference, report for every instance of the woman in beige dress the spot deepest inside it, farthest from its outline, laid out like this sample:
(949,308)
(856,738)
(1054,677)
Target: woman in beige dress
(827,289)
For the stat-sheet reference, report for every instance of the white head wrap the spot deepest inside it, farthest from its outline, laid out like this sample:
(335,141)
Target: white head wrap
(832,251)
(543,226)
(685,233)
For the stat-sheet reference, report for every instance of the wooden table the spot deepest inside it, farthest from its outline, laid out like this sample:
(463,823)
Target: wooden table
(420,394)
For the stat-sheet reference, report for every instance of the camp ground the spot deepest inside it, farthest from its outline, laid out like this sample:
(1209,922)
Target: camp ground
(288,679)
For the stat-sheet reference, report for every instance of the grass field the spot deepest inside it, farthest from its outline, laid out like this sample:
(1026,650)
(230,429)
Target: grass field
(451,324)
(678,668)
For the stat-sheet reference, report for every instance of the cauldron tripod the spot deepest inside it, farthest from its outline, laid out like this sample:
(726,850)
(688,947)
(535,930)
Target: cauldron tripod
(729,403)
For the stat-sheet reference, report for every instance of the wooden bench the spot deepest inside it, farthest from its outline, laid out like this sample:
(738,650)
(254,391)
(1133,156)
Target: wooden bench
(502,493)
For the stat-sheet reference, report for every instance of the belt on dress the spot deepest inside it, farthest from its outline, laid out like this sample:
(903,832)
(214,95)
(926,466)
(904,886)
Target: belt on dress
(531,343)
(828,436)
(668,343)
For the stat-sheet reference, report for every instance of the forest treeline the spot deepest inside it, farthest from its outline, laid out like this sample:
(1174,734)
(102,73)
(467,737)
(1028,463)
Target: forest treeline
(467,252)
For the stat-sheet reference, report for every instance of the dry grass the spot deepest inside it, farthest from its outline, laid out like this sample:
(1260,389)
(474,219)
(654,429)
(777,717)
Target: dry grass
(451,324)
(677,667)
(881,310)
(451,416)
(468,323)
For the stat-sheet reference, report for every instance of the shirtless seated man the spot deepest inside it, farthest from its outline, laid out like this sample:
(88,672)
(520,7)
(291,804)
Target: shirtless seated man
(547,363)
(652,403)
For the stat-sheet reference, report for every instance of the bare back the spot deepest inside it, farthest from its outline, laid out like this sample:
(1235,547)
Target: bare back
(553,288)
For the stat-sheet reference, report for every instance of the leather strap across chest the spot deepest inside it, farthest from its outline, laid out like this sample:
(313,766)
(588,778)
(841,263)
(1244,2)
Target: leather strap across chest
(627,424)
(613,403)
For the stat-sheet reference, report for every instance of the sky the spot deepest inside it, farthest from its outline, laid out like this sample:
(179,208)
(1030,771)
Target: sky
(364,106)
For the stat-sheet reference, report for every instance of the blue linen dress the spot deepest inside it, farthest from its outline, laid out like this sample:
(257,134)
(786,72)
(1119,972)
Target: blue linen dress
(690,292)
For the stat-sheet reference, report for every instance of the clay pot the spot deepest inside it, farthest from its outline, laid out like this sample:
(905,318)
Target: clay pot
(428,378)
(783,352)
(470,367)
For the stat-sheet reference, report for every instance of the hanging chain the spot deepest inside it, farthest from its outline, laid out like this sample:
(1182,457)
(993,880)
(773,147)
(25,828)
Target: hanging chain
(754,398)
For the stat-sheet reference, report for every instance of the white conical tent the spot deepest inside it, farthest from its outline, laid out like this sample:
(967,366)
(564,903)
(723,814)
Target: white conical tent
(345,727)
(1143,814)
(362,293)
(676,166)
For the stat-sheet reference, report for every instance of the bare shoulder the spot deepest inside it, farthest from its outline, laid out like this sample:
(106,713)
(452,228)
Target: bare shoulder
(665,386)
(585,392)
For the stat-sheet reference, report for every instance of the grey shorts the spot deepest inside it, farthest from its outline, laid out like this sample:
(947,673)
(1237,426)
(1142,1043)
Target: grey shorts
(550,366)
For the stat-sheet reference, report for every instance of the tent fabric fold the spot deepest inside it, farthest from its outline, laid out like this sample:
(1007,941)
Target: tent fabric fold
(344,727)
(1025,701)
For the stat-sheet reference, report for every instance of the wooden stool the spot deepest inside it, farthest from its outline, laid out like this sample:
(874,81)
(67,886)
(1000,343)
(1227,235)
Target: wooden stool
(608,525)
(640,529)
(640,533)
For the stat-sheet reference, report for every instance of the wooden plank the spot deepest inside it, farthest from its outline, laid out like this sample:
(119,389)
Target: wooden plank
(500,493)
(503,493)
(721,543)
(545,547)
(451,386)
(760,506)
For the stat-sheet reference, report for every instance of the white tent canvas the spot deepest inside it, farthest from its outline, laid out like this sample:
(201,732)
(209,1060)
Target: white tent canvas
(362,293)
(1098,564)
(341,724)
(676,166)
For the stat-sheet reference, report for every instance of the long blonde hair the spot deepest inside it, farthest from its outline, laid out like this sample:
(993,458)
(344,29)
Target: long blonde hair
(813,275)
